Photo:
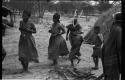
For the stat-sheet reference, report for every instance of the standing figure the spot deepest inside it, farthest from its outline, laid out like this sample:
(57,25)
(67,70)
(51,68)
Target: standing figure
(111,51)
(27,46)
(57,44)
(5,13)
(3,34)
(97,42)
(74,32)
(3,50)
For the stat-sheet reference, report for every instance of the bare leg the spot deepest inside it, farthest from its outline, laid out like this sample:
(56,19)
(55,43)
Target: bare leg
(25,66)
(3,56)
(72,64)
(95,60)
(54,62)
(78,58)
(3,53)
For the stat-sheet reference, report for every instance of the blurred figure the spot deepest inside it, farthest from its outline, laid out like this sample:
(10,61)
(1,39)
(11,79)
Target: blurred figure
(57,44)
(27,46)
(97,42)
(111,51)
(74,32)
(5,13)
(5,22)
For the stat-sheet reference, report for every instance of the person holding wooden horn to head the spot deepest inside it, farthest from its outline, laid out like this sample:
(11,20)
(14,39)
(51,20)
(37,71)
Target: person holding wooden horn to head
(74,32)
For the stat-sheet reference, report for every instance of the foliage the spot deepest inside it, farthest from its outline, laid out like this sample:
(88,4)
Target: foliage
(104,5)
(39,6)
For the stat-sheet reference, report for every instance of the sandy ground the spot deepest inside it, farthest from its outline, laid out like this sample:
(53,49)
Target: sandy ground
(40,70)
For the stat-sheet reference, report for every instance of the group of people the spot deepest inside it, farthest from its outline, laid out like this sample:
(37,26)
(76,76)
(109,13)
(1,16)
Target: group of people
(57,44)
(109,52)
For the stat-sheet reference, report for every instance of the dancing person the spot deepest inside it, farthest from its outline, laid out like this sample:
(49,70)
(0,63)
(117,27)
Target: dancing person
(74,32)
(57,44)
(27,46)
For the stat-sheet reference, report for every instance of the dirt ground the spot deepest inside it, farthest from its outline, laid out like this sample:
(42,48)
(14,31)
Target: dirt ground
(40,70)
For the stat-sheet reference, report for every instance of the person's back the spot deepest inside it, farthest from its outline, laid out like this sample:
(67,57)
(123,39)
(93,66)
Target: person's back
(97,40)
(115,34)
(111,52)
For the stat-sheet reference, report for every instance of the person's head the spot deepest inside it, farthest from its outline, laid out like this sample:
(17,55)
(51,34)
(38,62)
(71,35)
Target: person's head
(117,18)
(75,21)
(96,29)
(5,12)
(26,15)
(56,18)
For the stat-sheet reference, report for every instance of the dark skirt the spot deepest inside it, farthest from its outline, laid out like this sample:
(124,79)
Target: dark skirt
(111,67)
(75,41)
(27,48)
(97,52)
(57,47)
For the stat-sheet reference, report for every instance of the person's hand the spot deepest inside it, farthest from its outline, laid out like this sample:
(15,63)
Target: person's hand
(60,33)
(81,32)
(50,31)
(54,34)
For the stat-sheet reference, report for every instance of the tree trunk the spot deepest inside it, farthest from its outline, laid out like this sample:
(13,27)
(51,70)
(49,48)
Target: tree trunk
(39,7)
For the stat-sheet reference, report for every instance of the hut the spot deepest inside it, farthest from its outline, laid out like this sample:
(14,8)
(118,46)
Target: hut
(104,22)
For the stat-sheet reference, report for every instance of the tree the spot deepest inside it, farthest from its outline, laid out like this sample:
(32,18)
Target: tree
(104,5)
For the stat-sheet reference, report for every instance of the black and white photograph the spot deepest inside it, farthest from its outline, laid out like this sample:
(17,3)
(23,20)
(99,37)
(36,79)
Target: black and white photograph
(61,39)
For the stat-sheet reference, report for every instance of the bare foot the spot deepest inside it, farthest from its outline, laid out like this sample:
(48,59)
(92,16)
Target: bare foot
(53,64)
(72,65)
(78,60)
(25,71)
(36,61)
(74,69)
